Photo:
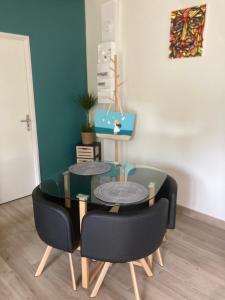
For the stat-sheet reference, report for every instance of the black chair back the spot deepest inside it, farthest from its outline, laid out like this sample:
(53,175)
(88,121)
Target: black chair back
(53,222)
(124,237)
(169,191)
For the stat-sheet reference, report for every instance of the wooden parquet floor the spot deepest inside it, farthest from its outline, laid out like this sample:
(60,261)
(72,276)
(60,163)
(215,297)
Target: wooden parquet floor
(194,258)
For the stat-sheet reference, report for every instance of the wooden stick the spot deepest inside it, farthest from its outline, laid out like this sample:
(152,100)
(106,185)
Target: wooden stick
(85,272)
(115,209)
(117,157)
(43,261)
(72,272)
(146,267)
(133,276)
(165,238)
(98,267)
(116,82)
(112,99)
(82,209)
(151,202)
(151,187)
(116,78)
(100,279)
(84,260)
(138,264)
(150,260)
(159,256)
(67,189)
(121,83)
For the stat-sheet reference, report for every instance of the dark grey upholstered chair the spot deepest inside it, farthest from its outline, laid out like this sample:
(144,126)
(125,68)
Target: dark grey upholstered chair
(124,237)
(169,191)
(55,227)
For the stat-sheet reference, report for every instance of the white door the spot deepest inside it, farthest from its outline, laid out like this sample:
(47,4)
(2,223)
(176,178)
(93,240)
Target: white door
(19,168)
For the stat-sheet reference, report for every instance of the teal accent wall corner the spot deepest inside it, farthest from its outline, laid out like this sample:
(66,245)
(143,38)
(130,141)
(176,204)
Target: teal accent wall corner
(58,50)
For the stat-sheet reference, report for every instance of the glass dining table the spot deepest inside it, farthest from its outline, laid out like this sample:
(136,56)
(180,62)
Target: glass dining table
(74,184)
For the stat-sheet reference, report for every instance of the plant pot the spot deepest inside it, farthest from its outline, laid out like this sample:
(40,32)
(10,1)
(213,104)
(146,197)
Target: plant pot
(87,138)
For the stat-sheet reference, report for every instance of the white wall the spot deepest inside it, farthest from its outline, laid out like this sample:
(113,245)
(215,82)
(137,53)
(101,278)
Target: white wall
(180,104)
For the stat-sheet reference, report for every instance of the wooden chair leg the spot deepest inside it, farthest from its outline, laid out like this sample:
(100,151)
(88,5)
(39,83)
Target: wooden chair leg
(134,280)
(159,256)
(100,279)
(43,261)
(150,260)
(85,272)
(72,272)
(165,238)
(97,269)
(146,267)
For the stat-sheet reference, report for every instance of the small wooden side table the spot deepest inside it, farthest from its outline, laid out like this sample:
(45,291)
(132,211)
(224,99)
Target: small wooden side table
(88,152)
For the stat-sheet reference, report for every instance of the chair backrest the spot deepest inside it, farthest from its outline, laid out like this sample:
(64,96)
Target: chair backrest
(53,222)
(169,191)
(124,237)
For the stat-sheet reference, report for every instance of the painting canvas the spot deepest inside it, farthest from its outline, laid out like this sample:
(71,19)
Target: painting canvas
(114,125)
(186,32)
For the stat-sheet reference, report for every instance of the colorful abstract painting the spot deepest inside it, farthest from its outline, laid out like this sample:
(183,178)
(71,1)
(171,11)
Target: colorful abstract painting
(186,32)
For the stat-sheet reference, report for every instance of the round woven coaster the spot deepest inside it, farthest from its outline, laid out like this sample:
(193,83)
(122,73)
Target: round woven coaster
(121,192)
(90,168)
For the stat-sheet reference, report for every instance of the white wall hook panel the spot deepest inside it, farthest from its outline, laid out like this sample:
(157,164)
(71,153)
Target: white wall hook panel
(105,74)
(109,20)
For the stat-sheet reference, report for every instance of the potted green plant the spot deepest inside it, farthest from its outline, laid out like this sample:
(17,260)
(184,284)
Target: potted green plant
(87,102)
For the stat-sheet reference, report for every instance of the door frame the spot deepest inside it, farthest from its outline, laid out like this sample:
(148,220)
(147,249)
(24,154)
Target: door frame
(27,55)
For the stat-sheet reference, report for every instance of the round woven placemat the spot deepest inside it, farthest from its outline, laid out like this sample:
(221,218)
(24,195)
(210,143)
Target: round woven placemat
(90,168)
(121,192)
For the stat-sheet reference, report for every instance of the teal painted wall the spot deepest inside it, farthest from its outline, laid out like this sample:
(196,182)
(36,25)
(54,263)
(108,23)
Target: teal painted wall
(57,38)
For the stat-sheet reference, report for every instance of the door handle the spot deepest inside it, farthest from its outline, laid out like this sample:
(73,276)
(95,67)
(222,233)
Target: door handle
(28,121)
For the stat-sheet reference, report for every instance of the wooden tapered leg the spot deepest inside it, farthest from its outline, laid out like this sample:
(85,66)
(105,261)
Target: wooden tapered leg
(100,279)
(165,238)
(150,260)
(84,260)
(137,263)
(82,209)
(98,267)
(72,272)
(43,261)
(85,272)
(159,256)
(117,154)
(151,187)
(151,203)
(134,280)
(146,267)
(115,209)
(67,189)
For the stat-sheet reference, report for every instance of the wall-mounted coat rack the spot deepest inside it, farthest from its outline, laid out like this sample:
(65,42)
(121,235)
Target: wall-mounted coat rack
(115,125)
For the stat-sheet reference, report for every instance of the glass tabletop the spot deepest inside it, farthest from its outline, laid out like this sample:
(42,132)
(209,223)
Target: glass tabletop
(67,185)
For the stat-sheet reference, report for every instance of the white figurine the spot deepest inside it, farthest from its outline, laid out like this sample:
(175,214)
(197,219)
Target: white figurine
(117,127)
